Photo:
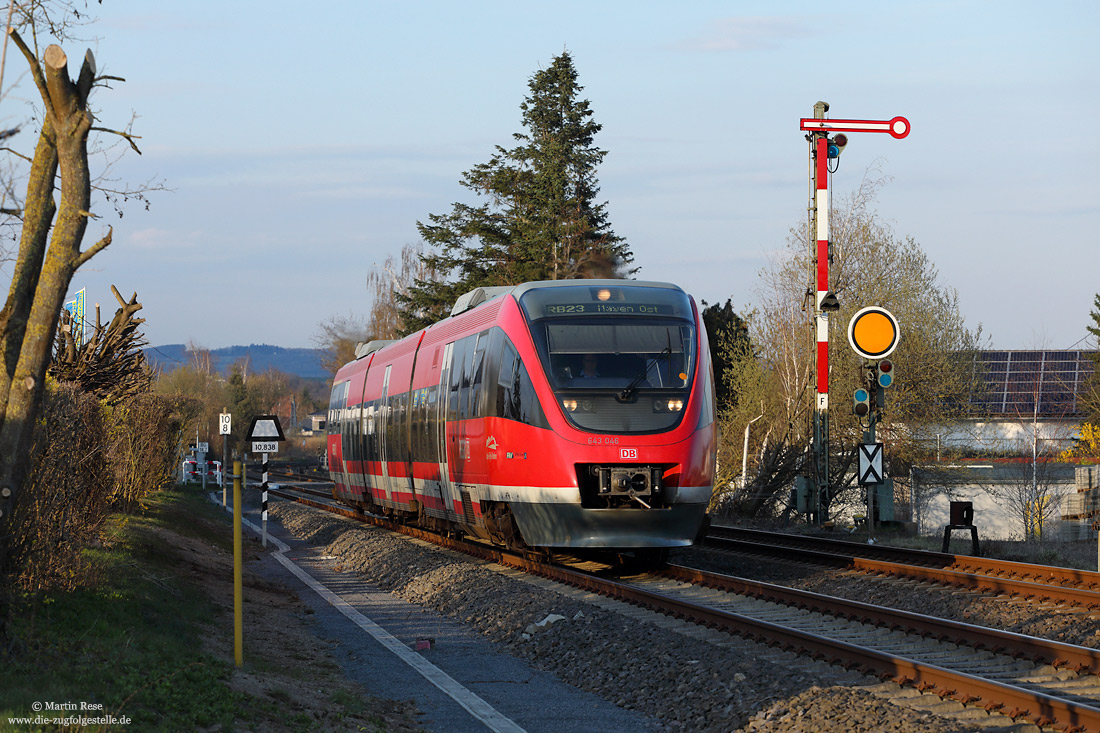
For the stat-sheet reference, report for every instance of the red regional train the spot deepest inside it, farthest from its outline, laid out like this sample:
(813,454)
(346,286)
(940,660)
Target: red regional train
(559,414)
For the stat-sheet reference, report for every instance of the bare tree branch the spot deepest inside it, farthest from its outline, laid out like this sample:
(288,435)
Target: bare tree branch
(16,153)
(94,249)
(129,138)
(36,70)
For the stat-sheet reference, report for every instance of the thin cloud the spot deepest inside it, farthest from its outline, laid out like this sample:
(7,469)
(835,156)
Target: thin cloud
(362,193)
(154,238)
(748,33)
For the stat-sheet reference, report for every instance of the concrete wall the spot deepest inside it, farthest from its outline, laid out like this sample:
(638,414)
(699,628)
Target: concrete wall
(999,435)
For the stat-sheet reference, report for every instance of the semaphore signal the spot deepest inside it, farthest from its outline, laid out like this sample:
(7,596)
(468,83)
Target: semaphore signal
(827,140)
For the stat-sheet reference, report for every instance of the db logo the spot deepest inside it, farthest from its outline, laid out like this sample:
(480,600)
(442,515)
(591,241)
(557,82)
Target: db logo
(628,454)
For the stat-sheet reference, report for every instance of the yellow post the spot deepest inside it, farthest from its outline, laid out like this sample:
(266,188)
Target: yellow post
(238,595)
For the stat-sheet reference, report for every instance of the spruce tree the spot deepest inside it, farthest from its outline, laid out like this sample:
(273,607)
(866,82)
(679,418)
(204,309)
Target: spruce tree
(727,333)
(1095,315)
(541,220)
(1088,399)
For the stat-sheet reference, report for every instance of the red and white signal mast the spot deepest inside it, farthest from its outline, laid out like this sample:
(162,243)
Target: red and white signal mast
(827,139)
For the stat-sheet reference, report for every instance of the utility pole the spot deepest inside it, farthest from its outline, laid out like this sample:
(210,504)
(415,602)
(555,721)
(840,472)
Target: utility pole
(824,147)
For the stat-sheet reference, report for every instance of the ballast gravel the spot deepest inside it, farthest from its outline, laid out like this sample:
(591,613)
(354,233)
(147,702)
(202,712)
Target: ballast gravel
(683,683)
(1047,621)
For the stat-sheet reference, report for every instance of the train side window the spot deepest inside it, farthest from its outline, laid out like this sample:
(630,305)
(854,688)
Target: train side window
(397,427)
(376,418)
(369,440)
(416,421)
(505,398)
(406,426)
(477,367)
(460,380)
(387,412)
(431,426)
(527,402)
(351,436)
(515,393)
(423,425)
(467,366)
(338,400)
(346,442)
(397,422)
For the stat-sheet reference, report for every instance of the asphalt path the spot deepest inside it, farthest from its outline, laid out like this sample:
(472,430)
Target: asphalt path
(459,680)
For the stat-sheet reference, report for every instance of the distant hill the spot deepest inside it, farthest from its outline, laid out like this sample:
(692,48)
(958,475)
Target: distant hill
(303,362)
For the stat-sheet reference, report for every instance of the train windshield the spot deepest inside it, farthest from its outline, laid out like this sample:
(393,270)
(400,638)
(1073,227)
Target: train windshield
(621,365)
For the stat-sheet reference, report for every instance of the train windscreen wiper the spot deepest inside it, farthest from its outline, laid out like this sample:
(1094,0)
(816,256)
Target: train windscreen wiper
(631,389)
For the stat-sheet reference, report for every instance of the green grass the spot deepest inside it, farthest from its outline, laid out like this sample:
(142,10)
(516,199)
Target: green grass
(129,640)
(128,643)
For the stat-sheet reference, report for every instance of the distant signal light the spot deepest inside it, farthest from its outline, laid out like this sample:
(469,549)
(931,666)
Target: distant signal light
(837,143)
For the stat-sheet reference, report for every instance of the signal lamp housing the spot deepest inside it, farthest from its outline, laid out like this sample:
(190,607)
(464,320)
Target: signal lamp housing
(861,402)
(886,373)
(837,143)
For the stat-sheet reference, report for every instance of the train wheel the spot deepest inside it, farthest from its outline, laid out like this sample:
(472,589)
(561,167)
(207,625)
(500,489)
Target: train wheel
(502,527)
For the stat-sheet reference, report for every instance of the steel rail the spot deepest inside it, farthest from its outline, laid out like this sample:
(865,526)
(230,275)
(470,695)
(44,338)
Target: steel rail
(1086,597)
(1057,654)
(298,478)
(1015,702)
(1049,574)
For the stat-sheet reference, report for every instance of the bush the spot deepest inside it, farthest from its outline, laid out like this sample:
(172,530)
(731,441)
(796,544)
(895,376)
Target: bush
(87,461)
(146,440)
(64,499)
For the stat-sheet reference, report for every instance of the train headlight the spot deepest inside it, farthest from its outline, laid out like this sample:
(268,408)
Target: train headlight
(570,405)
(674,405)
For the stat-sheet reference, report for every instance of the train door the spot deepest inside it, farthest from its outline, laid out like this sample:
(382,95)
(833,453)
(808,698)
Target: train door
(385,422)
(446,438)
(472,436)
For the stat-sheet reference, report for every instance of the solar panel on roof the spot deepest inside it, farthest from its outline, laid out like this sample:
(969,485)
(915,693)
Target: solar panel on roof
(1010,381)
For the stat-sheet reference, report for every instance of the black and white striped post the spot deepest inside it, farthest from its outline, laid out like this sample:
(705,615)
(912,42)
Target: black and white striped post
(263,501)
(266,433)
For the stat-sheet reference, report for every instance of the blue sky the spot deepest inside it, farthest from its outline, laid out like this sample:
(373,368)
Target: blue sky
(302,144)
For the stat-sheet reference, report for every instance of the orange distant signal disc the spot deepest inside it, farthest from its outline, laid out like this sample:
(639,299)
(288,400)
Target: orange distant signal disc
(873,332)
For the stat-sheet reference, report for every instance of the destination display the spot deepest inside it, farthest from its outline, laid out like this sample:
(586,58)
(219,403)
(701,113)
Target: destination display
(633,309)
(627,299)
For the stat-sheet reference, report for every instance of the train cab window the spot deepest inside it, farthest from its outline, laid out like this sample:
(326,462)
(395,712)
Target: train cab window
(597,355)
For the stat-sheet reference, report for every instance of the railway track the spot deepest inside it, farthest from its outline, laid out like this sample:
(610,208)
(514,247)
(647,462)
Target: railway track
(1037,582)
(1045,682)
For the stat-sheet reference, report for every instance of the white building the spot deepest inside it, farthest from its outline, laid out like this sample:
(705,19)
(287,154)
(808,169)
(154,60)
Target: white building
(1026,412)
